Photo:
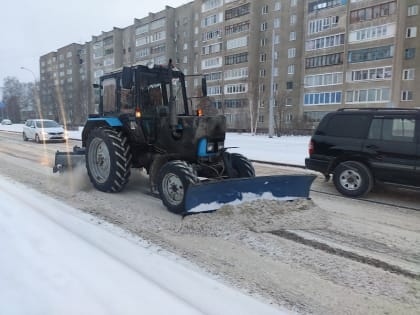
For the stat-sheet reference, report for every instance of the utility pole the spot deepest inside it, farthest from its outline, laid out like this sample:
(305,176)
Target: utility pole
(271,105)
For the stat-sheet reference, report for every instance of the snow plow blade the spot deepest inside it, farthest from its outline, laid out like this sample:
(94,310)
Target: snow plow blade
(69,160)
(210,196)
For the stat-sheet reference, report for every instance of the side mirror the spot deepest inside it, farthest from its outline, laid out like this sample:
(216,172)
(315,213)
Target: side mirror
(204,86)
(127,78)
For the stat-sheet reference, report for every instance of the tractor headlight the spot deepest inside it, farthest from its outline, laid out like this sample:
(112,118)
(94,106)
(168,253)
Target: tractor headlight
(220,146)
(210,147)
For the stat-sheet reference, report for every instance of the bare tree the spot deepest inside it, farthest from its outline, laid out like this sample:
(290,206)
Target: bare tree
(12,98)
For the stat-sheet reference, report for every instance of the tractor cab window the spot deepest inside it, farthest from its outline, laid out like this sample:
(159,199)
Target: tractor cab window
(127,100)
(179,100)
(154,99)
(109,95)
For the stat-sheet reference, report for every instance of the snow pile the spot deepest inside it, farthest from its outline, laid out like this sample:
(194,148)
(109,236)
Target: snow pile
(258,216)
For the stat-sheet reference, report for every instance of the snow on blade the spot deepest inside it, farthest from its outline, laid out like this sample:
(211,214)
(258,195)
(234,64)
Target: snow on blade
(246,197)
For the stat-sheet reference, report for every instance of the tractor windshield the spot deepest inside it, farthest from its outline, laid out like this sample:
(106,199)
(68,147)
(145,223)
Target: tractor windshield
(155,95)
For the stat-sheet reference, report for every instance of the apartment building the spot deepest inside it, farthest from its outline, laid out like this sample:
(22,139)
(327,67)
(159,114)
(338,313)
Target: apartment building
(359,54)
(61,94)
(269,64)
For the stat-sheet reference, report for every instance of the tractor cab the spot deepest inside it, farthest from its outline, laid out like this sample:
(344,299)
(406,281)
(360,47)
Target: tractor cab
(151,96)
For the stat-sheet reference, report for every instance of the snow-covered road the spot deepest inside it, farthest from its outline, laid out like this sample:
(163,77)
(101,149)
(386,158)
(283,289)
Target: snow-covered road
(56,260)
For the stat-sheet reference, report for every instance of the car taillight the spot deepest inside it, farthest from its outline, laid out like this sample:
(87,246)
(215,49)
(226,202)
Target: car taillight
(311,148)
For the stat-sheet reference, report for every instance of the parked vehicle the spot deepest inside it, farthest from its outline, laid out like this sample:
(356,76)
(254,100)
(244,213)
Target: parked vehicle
(361,146)
(146,121)
(6,122)
(42,130)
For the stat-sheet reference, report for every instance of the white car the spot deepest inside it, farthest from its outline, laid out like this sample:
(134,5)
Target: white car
(42,130)
(6,122)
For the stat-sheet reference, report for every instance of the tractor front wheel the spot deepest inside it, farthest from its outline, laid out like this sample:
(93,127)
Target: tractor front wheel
(173,180)
(238,166)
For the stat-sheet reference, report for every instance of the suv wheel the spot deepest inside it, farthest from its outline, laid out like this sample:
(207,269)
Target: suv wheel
(353,179)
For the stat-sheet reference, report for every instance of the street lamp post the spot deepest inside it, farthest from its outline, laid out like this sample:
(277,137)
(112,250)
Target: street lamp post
(37,100)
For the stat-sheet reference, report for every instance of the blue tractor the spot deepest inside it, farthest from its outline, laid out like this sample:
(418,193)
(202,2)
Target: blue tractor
(145,121)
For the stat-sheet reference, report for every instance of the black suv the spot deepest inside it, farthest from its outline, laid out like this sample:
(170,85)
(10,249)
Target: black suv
(361,146)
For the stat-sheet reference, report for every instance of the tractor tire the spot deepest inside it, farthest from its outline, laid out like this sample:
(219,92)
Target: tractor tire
(173,180)
(108,159)
(242,167)
(353,179)
(25,138)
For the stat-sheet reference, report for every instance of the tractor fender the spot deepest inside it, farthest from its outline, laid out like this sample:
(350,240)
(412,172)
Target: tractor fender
(98,122)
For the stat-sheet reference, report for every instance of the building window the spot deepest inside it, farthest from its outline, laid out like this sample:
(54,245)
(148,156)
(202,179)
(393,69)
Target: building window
(277,6)
(212,19)
(263,27)
(292,36)
(237,58)
(214,90)
(413,10)
(237,28)
(370,54)
(322,98)
(214,76)
(324,60)
(291,69)
(408,74)
(276,22)
(293,3)
(211,4)
(291,53)
(211,35)
(409,53)
(157,24)
(321,25)
(236,88)
(263,42)
(368,95)
(324,4)
(211,49)
(238,73)
(372,33)
(264,9)
(263,57)
(411,32)
(237,42)
(211,63)
(325,42)
(371,74)
(142,29)
(324,79)
(289,85)
(262,73)
(373,12)
(238,11)
(406,95)
(293,19)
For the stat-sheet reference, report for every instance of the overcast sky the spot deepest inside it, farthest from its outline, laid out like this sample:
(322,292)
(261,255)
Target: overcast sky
(30,28)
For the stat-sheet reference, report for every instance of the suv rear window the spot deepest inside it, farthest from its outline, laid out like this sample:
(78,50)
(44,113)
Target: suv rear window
(347,126)
(392,129)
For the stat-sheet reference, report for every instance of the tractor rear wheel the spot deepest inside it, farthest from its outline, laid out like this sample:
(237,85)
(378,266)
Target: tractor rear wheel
(108,159)
(173,180)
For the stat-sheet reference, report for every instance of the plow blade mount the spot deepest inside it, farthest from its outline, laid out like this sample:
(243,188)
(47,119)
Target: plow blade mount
(209,196)
(69,160)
